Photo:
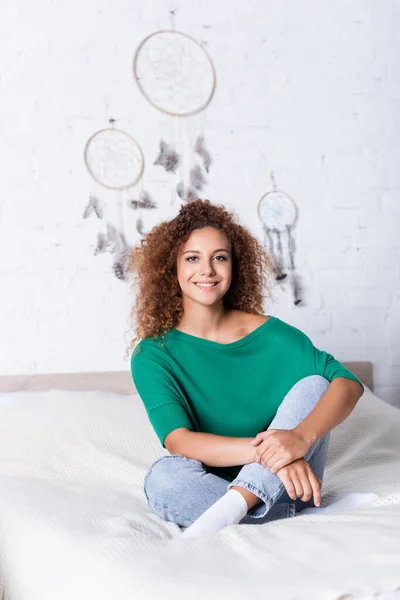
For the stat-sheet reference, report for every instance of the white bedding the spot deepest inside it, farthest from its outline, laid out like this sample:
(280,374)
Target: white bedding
(74,521)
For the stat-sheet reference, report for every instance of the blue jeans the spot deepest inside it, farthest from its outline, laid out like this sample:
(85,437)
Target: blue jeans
(180,489)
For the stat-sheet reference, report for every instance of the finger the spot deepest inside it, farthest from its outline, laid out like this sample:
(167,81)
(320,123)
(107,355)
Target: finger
(307,489)
(268,457)
(298,486)
(262,449)
(289,485)
(280,463)
(268,432)
(264,434)
(256,440)
(259,452)
(271,464)
(316,488)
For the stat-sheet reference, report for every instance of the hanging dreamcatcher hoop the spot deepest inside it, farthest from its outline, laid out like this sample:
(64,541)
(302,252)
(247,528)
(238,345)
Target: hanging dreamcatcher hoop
(174,73)
(278,213)
(114,159)
(176,76)
(115,162)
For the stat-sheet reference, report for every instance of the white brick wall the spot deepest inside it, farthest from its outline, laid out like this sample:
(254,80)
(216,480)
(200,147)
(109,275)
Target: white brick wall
(309,90)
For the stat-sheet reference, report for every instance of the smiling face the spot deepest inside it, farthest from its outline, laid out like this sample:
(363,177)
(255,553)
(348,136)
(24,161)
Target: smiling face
(204,266)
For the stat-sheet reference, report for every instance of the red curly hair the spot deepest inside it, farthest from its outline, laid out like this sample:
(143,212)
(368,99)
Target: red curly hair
(158,297)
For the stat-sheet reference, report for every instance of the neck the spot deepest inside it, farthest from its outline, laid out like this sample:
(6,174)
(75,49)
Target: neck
(203,321)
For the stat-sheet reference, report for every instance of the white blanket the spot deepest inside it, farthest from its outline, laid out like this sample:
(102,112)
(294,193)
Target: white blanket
(74,521)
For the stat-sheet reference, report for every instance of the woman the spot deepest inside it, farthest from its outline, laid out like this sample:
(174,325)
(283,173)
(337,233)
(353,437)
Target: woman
(243,401)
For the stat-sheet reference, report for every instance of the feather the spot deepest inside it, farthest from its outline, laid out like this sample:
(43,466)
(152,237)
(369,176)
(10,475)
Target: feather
(88,210)
(120,244)
(111,233)
(180,189)
(191,195)
(101,243)
(167,157)
(139,226)
(145,201)
(123,263)
(123,242)
(186,194)
(203,153)
(197,178)
(279,256)
(133,204)
(97,206)
(119,270)
(292,249)
(274,259)
(93,204)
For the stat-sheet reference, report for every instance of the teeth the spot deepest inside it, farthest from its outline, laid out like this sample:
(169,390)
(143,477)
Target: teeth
(205,284)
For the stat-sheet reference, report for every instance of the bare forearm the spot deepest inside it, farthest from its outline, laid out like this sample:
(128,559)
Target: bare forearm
(220,451)
(216,450)
(334,407)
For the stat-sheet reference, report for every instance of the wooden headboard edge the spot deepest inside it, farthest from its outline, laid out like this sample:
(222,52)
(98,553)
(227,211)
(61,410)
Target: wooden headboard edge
(118,382)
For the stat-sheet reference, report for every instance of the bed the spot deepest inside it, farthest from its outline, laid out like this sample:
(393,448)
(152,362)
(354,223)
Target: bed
(74,523)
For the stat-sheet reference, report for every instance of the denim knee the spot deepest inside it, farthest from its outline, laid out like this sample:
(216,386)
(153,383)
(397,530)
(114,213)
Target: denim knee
(316,382)
(164,475)
(311,387)
(156,476)
(164,486)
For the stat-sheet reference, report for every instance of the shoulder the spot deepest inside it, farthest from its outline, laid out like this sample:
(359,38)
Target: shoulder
(148,349)
(292,334)
(282,328)
(247,322)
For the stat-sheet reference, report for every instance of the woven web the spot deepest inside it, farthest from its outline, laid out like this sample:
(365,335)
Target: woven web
(114,159)
(277,211)
(174,73)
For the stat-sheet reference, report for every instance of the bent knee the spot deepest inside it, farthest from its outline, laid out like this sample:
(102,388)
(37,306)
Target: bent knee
(166,474)
(313,382)
(305,393)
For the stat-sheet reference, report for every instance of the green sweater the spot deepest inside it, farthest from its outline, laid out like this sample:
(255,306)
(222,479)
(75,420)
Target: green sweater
(227,389)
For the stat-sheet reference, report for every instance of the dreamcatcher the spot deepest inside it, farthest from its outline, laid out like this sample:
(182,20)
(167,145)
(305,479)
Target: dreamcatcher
(278,214)
(115,162)
(175,75)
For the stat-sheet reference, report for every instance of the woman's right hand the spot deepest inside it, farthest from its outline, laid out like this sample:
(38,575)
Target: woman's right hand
(300,481)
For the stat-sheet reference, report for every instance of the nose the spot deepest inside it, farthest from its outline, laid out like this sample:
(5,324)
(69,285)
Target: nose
(207,268)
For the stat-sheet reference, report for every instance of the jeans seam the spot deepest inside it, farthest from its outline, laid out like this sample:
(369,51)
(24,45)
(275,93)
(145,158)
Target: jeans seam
(252,488)
(163,506)
(317,446)
(149,471)
(265,497)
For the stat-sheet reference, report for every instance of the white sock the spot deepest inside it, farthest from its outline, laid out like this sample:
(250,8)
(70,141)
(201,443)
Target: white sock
(349,501)
(228,510)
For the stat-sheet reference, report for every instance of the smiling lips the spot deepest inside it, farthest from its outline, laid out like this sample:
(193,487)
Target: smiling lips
(206,286)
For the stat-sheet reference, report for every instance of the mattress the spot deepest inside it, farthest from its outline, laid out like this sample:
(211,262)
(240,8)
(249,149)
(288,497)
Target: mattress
(74,521)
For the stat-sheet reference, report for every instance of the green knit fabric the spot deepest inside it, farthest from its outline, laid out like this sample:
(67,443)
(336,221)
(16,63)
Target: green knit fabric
(227,389)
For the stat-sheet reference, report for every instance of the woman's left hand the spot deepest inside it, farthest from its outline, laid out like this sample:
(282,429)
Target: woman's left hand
(279,447)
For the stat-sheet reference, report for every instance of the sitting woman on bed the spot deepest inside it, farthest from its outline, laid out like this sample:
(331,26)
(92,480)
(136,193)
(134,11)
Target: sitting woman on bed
(243,401)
